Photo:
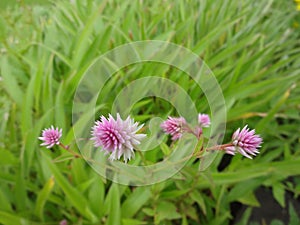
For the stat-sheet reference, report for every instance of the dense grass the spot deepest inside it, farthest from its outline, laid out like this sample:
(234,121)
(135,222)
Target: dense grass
(251,46)
(12,3)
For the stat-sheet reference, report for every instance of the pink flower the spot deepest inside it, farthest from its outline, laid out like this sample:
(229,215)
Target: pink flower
(174,126)
(117,137)
(51,137)
(63,222)
(203,120)
(245,142)
(198,132)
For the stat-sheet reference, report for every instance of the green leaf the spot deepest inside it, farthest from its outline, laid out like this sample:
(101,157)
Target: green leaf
(221,219)
(112,202)
(277,222)
(279,193)
(60,119)
(243,188)
(127,221)
(13,219)
(26,120)
(165,149)
(10,82)
(294,217)
(96,196)
(184,220)
(42,198)
(3,28)
(196,196)
(7,158)
(79,171)
(148,211)
(5,204)
(135,201)
(83,39)
(249,199)
(190,211)
(262,124)
(166,211)
(173,194)
(20,191)
(245,217)
(73,195)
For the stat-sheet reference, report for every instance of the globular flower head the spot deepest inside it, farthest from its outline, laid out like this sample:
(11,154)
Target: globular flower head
(174,126)
(63,222)
(51,137)
(117,137)
(203,120)
(246,142)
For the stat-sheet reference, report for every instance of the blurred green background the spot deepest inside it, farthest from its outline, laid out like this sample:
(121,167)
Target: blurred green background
(251,46)
(4,4)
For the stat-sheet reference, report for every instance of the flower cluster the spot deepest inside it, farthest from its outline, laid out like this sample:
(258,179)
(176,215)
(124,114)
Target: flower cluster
(116,137)
(176,126)
(119,138)
(244,141)
(203,120)
(51,137)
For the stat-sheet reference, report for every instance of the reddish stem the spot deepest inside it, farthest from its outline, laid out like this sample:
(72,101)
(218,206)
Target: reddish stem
(67,147)
(219,147)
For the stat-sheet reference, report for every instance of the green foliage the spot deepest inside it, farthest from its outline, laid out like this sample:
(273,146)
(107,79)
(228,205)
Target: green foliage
(251,46)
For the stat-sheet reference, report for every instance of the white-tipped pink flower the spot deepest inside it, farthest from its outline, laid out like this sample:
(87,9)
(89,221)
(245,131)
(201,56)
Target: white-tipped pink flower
(51,137)
(117,137)
(174,126)
(203,120)
(246,142)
